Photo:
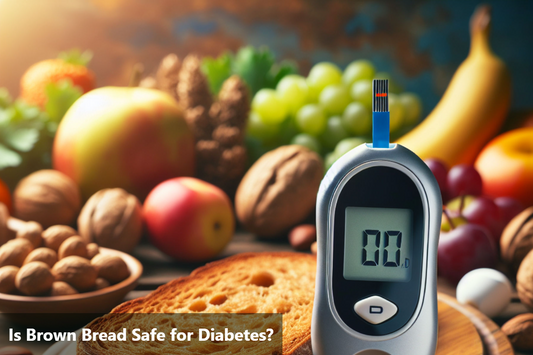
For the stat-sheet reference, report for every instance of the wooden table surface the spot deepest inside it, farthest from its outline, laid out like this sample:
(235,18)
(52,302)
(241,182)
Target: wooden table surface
(160,269)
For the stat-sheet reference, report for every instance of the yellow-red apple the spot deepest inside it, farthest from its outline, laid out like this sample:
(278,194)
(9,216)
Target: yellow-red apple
(133,138)
(189,219)
(506,165)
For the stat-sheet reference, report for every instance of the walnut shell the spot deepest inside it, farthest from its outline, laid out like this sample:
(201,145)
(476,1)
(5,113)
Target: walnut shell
(74,245)
(101,284)
(519,330)
(15,251)
(76,271)
(92,250)
(34,279)
(60,288)
(46,255)
(111,267)
(279,190)
(54,236)
(7,278)
(33,232)
(517,239)
(112,219)
(524,281)
(48,197)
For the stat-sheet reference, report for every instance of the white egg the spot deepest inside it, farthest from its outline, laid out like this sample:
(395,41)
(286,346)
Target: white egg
(486,289)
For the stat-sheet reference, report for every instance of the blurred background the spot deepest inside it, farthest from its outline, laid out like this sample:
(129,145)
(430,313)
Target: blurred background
(420,43)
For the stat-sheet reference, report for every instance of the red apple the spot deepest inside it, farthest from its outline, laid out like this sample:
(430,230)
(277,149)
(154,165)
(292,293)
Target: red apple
(133,138)
(463,249)
(506,165)
(189,219)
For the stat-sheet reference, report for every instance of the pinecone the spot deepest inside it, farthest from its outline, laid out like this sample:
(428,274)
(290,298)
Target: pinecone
(193,89)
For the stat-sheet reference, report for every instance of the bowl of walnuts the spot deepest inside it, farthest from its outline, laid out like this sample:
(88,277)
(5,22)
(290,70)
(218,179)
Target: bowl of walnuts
(56,271)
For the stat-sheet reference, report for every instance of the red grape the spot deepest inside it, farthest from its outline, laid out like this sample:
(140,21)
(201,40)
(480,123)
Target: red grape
(484,212)
(464,249)
(509,208)
(440,171)
(464,180)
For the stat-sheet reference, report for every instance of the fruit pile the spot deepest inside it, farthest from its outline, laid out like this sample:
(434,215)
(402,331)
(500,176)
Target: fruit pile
(329,112)
(472,223)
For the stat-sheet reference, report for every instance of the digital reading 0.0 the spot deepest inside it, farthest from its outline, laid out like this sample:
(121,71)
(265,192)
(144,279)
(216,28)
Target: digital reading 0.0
(378,244)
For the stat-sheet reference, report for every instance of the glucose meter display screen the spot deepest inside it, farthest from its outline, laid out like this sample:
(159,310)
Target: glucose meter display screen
(378,244)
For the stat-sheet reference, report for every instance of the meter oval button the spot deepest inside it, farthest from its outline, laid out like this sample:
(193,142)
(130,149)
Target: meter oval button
(375,309)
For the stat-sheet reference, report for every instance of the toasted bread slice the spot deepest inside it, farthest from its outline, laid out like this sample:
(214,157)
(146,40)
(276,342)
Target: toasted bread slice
(281,282)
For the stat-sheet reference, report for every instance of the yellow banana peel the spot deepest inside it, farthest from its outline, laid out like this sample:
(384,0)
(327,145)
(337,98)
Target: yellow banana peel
(473,107)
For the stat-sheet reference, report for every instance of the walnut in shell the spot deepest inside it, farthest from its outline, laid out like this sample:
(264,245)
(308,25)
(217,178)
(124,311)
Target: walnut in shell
(15,252)
(517,239)
(74,245)
(54,236)
(101,284)
(34,279)
(33,232)
(111,267)
(519,330)
(76,271)
(7,278)
(92,250)
(524,281)
(112,219)
(46,255)
(48,197)
(60,288)
(279,190)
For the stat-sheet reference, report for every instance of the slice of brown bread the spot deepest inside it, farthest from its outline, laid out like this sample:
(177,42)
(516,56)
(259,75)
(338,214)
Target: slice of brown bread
(282,282)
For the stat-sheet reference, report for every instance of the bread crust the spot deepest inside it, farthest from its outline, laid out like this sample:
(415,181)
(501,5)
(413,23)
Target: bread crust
(300,343)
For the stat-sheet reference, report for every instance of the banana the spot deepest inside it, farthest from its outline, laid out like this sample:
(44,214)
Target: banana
(473,107)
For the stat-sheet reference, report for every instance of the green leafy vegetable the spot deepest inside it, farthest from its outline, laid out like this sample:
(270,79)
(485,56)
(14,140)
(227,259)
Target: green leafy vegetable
(278,71)
(253,66)
(61,96)
(217,70)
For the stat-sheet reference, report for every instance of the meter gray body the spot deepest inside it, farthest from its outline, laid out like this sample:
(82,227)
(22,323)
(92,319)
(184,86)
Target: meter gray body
(378,222)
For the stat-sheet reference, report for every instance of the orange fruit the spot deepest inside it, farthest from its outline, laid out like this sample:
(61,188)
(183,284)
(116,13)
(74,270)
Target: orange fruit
(5,195)
(34,81)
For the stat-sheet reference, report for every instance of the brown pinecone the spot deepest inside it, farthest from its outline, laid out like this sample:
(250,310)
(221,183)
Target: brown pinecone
(228,136)
(167,75)
(233,104)
(199,121)
(193,89)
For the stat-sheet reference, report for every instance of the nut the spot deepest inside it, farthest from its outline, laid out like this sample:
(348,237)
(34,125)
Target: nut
(33,232)
(92,250)
(301,237)
(517,239)
(101,284)
(524,281)
(34,279)
(60,288)
(14,252)
(111,267)
(48,197)
(7,278)
(46,255)
(279,190)
(76,271)
(73,246)
(519,330)
(112,219)
(54,236)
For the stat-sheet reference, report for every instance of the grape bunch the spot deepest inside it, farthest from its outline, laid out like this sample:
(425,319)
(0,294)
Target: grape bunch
(329,112)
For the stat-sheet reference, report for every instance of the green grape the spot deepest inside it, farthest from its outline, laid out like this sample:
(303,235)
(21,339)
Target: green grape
(347,144)
(287,130)
(320,76)
(307,141)
(396,112)
(334,132)
(268,105)
(358,70)
(362,91)
(412,108)
(357,119)
(311,119)
(334,99)
(330,159)
(293,91)
(258,129)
